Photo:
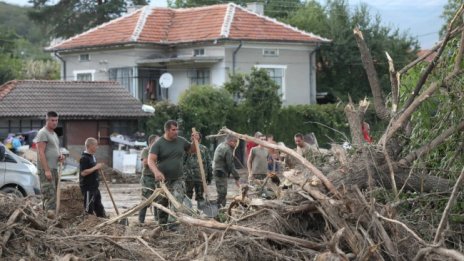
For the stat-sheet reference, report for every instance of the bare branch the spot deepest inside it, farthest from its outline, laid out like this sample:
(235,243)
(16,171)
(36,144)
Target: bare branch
(290,152)
(404,226)
(432,64)
(379,105)
(394,80)
(405,115)
(451,201)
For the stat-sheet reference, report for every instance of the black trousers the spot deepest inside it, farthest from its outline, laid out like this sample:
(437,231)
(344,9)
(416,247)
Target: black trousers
(92,202)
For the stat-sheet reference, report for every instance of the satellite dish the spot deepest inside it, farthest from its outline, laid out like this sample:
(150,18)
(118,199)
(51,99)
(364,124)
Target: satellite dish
(166,80)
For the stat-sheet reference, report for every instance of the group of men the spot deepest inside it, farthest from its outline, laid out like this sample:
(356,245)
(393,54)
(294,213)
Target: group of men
(173,160)
(170,159)
(163,161)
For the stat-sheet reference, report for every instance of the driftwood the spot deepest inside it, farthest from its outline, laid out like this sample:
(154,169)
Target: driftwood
(185,219)
(288,151)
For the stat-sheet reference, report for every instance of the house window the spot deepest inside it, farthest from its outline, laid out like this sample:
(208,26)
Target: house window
(271,52)
(199,52)
(199,77)
(277,74)
(124,76)
(85,75)
(84,57)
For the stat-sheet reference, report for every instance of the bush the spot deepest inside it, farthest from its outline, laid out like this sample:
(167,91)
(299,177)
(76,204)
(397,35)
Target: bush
(206,108)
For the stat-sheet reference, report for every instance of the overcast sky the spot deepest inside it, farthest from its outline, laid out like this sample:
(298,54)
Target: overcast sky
(420,17)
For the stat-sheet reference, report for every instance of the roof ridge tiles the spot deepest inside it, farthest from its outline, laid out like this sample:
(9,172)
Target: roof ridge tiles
(228,19)
(186,9)
(146,11)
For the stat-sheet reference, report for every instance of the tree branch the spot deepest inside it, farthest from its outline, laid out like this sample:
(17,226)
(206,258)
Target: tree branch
(432,144)
(394,80)
(406,114)
(451,201)
(379,105)
(288,151)
(432,64)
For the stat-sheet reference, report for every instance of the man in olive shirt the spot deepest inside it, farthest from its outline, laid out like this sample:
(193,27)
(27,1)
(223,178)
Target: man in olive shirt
(48,156)
(148,179)
(166,161)
(223,164)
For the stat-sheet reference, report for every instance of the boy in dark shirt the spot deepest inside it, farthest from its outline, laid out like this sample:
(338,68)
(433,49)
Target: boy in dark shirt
(89,179)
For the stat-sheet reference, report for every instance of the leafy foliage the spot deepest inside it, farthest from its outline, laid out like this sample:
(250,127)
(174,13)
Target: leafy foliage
(340,70)
(67,18)
(205,108)
(164,111)
(258,98)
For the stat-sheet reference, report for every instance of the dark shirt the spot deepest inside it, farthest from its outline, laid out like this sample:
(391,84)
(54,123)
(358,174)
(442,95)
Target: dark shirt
(89,182)
(170,155)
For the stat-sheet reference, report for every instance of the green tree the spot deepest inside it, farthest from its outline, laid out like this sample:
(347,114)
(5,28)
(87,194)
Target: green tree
(339,64)
(41,70)
(164,111)
(69,17)
(257,97)
(205,108)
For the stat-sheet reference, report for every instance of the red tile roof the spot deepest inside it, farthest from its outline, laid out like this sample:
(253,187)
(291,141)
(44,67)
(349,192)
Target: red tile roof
(71,99)
(430,57)
(171,26)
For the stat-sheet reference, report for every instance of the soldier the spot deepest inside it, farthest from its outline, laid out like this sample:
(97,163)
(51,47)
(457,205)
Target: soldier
(223,164)
(165,161)
(48,156)
(147,180)
(193,181)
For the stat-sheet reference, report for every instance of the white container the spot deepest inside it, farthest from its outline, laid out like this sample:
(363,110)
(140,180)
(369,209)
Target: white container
(129,164)
(118,159)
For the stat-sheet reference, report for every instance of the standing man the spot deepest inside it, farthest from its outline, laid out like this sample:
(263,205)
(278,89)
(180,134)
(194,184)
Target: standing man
(147,181)
(258,162)
(89,179)
(303,148)
(165,161)
(48,156)
(193,181)
(223,164)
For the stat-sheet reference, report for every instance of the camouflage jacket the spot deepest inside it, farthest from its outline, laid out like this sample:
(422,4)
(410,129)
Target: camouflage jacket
(191,167)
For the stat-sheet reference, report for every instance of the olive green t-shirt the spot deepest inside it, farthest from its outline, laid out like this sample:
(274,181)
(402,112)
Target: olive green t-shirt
(52,148)
(145,170)
(170,156)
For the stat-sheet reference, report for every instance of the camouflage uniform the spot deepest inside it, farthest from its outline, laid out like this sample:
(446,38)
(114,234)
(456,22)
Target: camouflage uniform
(148,183)
(192,173)
(223,164)
(48,189)
(177,188)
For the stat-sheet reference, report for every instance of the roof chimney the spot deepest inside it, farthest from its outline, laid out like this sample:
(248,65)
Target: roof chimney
(256,7)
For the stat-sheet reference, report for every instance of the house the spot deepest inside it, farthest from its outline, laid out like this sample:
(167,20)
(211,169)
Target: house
(201,45)
(86,109)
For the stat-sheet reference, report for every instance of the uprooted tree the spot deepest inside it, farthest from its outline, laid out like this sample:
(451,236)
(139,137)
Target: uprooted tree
(330,212)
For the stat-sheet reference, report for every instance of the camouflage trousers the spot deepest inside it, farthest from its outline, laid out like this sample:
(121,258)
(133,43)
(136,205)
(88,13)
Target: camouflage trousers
(48,189)
(221,187)
(177,189)
(194,185)
(148,186)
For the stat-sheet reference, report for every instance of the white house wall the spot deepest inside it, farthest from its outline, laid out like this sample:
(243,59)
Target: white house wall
(300,81)
(296,59)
